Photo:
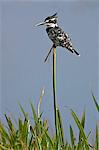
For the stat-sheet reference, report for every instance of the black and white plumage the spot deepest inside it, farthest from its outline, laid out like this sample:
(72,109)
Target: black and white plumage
(57,35)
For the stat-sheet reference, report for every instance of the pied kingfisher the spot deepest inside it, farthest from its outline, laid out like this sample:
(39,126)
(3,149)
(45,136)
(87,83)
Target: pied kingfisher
(57,35)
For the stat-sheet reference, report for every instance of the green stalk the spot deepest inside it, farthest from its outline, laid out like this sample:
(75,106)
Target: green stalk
(54,90)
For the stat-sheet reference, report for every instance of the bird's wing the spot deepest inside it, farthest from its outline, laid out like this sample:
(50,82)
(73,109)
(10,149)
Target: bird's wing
(61,35)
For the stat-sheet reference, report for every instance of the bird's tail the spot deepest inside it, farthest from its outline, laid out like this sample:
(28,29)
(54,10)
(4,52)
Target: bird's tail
(76,52)
(72,50)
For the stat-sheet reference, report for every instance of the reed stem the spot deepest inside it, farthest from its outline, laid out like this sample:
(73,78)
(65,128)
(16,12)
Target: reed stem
(54,90)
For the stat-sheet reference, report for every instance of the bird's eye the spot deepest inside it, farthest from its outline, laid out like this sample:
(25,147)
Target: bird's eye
(50,20)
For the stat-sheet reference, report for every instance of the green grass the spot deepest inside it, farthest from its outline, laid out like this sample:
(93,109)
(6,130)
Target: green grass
(28,136)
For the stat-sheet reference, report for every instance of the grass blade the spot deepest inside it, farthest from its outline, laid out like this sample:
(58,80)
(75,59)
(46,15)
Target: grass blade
(78,123)
(60,128)
(24,113)
(83,125)
(72,137)
(97,138)
(96,103)
(83,120)
(34,114)
(4,136)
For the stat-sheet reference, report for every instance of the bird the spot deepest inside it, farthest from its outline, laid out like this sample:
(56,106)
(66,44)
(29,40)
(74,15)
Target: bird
(57,35)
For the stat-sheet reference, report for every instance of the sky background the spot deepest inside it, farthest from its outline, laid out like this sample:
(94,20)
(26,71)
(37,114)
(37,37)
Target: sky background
(24,47)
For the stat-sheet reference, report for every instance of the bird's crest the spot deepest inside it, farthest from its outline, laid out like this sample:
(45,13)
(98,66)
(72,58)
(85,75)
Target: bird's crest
(51,17)
(55,15)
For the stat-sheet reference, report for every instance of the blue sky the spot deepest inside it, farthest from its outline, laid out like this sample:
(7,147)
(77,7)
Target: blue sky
(24,47)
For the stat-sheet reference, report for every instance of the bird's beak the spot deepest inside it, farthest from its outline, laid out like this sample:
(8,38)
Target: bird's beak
(39,24)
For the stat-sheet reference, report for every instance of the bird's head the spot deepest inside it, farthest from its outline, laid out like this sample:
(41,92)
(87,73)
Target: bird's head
(50,21)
